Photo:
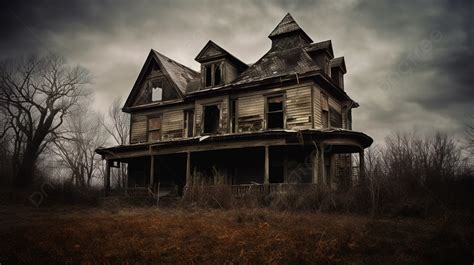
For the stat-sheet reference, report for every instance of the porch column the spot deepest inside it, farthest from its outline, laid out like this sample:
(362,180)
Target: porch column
(322,170)
(361,166)
(315,169)
(107,177)
(152,170)
(266,178)
(188,170)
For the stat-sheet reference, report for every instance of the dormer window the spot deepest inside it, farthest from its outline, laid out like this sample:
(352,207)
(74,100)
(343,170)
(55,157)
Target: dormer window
(157,90)
(214,74)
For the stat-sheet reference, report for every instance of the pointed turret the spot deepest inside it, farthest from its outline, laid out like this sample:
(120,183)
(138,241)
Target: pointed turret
(288,34)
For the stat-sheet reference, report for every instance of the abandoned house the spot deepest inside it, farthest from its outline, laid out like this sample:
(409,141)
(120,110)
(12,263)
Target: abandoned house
(284,119)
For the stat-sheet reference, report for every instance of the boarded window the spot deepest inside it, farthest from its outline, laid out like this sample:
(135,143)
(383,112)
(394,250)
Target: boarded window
(233,115)
(189,123)
(211,119)
(154,129)
(275,114)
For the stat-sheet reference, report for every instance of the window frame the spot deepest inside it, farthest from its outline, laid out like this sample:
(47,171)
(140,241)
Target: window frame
(187,130)
(161,80)
(233,115)
(203,117)
(212,67)
(283,111)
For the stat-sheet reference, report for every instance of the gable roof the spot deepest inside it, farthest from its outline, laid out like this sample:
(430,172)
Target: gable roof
(288,25)
(338,62)
(178,75)
(213,51)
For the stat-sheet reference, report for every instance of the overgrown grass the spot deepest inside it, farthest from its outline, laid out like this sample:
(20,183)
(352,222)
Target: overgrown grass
(257,236)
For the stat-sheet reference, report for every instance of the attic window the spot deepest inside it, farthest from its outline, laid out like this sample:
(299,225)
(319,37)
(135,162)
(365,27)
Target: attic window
(213,75)
(157,91)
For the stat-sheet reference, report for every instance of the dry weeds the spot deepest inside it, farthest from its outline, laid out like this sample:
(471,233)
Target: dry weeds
(196,236)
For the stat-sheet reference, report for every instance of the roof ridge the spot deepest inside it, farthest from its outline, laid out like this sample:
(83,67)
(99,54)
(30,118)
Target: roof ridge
(174,61)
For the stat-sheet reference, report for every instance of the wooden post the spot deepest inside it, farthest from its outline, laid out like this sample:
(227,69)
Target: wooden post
(152,170)
(266,179)
(188,170)
(322,165)
(315,169)
(361,166)
(107,177)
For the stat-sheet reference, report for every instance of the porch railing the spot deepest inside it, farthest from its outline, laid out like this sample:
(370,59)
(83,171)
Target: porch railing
(254,189)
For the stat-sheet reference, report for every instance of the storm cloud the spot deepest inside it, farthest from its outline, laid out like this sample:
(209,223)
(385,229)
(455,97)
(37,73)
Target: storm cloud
(410,63)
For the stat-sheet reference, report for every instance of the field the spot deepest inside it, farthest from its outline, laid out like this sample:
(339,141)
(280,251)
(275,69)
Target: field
(90,235)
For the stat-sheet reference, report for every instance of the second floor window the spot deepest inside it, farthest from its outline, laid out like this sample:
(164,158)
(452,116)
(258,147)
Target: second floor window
(213,75)
(275,112)
(233,115)
(154,129)
(324,111)
(189,123)
(211,119)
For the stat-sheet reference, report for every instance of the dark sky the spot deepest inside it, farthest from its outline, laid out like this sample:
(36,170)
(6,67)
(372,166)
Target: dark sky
(410,63)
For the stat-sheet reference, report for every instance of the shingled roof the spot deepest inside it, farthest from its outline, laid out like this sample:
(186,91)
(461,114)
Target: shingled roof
(288,25)
(278,63)
(181,75)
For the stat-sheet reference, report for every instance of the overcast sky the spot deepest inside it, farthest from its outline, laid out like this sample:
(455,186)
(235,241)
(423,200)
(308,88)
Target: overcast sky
(410,63)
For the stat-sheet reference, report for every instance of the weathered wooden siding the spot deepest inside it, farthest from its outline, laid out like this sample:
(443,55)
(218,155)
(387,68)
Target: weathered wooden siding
(317,107)
(138,128)
(230,72)
(172,124)
(251,111)
(298,108)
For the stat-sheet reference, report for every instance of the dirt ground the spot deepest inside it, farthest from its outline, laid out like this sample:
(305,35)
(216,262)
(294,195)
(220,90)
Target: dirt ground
(254,236)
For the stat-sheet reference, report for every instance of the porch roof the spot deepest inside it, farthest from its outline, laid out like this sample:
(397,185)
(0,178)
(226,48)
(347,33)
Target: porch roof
(334,137)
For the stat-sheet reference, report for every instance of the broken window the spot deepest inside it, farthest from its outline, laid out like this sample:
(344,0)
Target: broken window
(214,75)
(211,119)
(233,116)
(208,70)
(217,75)
(189,123)
(275,115)
(154,129)
(324,111)
(157,90)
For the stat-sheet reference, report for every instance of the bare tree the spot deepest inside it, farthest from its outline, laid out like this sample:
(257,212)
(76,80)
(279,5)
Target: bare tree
(76,147)
(117,125)
(36,94)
